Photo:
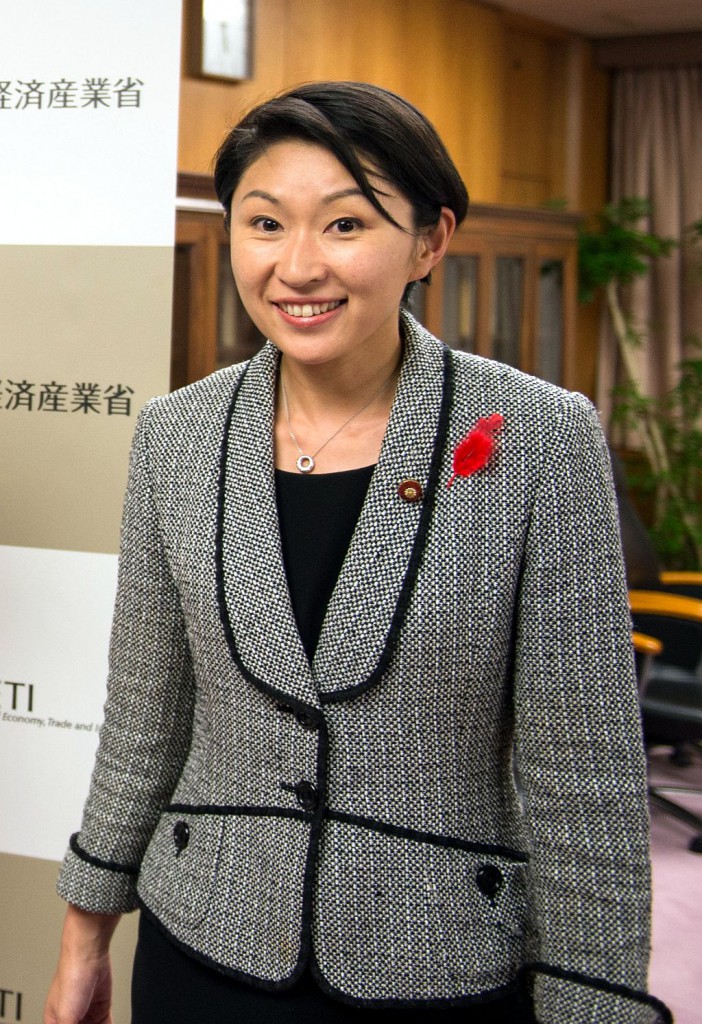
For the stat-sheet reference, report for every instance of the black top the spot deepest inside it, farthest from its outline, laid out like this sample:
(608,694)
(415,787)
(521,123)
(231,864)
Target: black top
(317,515)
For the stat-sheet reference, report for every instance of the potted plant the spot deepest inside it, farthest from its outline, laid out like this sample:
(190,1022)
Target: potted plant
(668,427)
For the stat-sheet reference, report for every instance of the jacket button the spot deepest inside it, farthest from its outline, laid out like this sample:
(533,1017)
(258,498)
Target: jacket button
(306,795)
(181,835)
(489,880)
(306,721)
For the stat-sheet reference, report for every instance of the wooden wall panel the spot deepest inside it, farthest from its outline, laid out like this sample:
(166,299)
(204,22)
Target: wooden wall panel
(594,134)
(473,46)
(446,56)
(499,90)
(592,194)
(209,106)
(345,39)
(559,124)
(526,172)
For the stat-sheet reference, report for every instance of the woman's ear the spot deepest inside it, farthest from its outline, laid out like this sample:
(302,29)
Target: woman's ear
(432,244)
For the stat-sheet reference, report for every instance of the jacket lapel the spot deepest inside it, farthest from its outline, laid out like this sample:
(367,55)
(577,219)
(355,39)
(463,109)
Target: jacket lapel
(368,604)
(254,598)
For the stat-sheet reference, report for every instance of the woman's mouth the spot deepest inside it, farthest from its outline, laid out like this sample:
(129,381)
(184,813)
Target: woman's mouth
(308,309)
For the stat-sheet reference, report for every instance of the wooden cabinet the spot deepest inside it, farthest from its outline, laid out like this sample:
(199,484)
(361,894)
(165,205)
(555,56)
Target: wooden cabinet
(211,328)
(507,289)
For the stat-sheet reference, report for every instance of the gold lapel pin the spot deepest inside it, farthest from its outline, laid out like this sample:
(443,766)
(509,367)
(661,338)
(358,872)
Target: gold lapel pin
(410,490)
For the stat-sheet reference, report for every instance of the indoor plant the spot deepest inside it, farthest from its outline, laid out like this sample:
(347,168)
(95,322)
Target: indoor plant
(667,428)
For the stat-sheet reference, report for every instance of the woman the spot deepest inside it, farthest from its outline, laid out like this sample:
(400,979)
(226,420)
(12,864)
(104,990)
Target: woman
(339,631)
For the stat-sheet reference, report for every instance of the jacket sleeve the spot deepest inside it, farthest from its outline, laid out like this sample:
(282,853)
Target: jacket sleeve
(148,714)
(579,751)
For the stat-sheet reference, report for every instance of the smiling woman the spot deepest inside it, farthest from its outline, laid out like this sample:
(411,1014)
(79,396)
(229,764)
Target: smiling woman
(362,591)
(321,271)
(331,226)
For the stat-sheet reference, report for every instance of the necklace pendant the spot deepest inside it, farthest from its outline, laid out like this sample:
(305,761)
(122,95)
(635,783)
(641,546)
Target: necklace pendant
(305,463)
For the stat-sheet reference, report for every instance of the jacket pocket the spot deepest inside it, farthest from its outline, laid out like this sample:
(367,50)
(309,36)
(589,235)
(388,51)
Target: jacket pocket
(179,869)
(451,916)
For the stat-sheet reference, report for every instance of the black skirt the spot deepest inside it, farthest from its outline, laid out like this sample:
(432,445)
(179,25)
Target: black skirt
(170,987)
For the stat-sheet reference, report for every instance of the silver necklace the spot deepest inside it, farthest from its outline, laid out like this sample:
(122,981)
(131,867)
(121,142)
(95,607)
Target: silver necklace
(306,463)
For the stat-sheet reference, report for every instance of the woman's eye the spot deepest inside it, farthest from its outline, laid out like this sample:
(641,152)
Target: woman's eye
(346,225)
(266,224)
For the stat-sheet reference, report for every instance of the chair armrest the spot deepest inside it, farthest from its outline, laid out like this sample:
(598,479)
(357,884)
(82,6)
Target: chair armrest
(675,620)
(658,602)
(645,650)
(692,578)
(645,644)
(686,584)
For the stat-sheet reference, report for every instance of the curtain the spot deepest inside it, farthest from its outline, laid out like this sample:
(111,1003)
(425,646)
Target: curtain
(657,155)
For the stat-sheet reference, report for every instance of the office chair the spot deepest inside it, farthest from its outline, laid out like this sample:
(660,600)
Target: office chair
(667,606)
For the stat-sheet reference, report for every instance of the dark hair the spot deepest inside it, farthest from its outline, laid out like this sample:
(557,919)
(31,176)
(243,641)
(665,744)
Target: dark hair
(352,120)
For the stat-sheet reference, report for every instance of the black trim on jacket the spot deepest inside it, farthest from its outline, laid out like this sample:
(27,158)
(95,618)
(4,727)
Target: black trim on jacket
(432,838)
(98,862)
(611,987)
(286,983)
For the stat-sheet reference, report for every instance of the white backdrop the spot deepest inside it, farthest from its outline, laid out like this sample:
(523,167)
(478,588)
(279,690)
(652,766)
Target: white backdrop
(55,613)
(88,137)
(84,164)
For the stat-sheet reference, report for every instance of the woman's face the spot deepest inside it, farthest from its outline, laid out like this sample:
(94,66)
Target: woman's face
(320,271)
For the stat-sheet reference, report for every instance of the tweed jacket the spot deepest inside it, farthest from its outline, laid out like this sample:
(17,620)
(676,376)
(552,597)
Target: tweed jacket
(451,798)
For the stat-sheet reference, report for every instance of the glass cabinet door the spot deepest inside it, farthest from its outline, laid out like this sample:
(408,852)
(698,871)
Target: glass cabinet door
(460,302)
(549,329)
(238,338)
(507,289)
(507,310)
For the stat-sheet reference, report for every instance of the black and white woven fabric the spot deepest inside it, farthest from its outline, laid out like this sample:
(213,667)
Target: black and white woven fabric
(361,812)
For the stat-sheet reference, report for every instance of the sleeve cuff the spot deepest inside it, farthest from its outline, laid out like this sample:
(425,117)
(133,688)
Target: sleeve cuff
(561,995)
(96,885)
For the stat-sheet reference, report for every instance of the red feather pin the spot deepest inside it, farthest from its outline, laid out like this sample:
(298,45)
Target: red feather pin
(474,451)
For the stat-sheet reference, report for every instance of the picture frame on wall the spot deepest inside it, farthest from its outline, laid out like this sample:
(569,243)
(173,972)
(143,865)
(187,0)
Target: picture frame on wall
(221,39)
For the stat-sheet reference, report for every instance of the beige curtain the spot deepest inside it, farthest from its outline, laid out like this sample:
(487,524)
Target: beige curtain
(657,155)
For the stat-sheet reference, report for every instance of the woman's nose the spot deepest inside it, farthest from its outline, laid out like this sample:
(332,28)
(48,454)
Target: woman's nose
(301,260)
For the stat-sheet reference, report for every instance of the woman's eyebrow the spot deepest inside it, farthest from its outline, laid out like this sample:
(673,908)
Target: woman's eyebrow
(258,193)
(343,194)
